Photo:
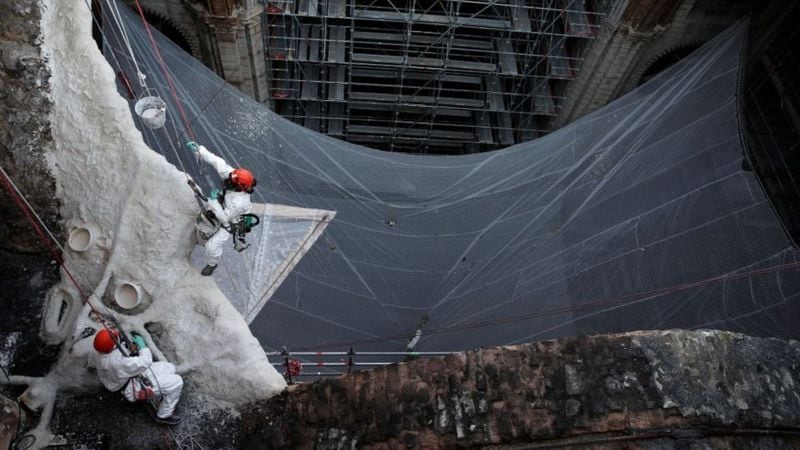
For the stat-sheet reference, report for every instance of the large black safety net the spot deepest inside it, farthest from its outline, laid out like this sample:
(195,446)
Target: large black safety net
(641,215)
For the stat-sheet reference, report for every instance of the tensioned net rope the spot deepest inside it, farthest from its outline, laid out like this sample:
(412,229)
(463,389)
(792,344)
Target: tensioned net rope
(638,216)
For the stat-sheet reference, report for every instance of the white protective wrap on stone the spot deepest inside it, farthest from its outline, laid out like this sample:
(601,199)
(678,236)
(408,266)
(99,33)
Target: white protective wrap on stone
(107,176)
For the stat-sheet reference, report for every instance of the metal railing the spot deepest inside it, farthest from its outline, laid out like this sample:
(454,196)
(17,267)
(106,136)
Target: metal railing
(294,368)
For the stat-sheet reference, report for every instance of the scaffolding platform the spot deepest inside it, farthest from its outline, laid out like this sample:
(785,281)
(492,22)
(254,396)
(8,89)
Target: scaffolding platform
(415,77)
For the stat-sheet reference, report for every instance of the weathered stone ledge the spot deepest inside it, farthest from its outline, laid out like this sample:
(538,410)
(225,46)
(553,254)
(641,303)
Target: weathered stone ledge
(645,387)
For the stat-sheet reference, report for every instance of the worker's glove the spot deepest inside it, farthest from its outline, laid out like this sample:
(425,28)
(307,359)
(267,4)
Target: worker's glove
(214,194)
(249,221)
(193,147)
(139,341)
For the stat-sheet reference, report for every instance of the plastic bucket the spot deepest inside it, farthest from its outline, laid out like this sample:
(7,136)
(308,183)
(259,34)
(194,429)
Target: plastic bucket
(152,110)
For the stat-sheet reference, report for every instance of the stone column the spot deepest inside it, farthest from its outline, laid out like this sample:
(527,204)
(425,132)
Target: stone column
(224,48)
(238,49)
(251,50)
(627,31)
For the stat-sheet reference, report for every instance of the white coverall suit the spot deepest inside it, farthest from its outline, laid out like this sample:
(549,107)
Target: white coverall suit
(115,370)
(236,204)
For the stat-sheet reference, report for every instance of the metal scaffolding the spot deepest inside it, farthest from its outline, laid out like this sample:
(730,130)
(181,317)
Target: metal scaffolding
(443,76)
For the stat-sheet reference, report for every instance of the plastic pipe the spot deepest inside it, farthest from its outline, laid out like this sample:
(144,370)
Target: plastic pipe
(80,239)
(127,295)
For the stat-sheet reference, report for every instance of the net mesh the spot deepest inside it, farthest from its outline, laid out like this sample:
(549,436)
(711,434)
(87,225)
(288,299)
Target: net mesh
(638,216)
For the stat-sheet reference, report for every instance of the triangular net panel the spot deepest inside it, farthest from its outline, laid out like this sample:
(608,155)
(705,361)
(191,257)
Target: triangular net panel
(282,238)
(641,215)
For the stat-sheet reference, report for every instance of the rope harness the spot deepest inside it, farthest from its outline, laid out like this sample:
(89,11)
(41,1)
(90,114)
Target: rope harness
(208,223)
(125,345)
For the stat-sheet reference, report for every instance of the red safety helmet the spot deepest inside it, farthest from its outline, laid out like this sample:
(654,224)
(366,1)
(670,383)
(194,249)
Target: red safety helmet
(243,179)
(105,341)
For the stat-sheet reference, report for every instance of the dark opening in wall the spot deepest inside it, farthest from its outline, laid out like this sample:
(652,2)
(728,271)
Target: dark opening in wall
(666,61)
(770,108)
(167,28)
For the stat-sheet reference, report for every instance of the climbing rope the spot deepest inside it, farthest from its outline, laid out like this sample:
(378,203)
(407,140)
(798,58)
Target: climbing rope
(46,235)
(466,326)
(118,30)
(43,232)
(117,18)
(203,109)
(124,37)
(165,71)
(39,227)
(188,125)
(112,6)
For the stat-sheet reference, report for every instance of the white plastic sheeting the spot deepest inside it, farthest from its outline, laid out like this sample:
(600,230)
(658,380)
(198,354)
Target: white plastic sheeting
(280,241)
(638,216)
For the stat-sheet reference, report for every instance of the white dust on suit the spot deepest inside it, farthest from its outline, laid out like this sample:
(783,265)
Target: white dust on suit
(236,204)
(115,369)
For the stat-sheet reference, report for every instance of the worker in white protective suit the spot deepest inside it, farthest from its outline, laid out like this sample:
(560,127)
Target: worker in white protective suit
(137,377)
(229,206)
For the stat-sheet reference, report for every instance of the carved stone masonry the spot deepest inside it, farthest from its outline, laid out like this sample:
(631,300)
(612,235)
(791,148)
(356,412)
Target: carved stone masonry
(224,28)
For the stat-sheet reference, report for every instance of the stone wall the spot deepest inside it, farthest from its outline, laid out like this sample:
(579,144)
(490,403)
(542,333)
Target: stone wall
(646,388)
(24,125)
(24,139)
(632,37)
(225,34)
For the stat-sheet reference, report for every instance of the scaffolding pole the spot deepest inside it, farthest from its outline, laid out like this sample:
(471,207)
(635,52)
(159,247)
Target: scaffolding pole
(454,76)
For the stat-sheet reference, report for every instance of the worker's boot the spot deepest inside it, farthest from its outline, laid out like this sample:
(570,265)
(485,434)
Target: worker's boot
(208,270)
(171,420)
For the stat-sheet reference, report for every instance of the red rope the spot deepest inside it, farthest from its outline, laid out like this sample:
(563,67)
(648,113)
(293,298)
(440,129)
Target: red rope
(165,72)
(591,305)
(165,438)
(36,227)
(47,242)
